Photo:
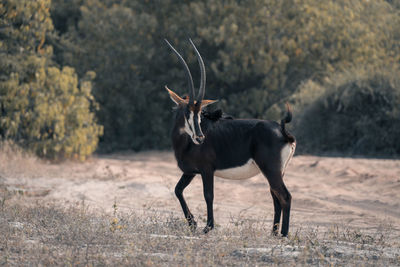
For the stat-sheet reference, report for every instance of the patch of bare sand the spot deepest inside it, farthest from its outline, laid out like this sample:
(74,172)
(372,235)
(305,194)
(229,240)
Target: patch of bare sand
(361,193)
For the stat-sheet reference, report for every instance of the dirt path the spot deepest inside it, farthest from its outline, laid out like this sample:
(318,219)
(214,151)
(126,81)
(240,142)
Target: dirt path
(363,193)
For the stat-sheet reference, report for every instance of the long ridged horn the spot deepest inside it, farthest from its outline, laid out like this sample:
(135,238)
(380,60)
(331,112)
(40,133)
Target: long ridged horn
(188,74)
(202,88)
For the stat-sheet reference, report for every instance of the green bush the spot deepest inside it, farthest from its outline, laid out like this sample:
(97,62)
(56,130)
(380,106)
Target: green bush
(51,114)
(256,53)
(359,113)
(43,107)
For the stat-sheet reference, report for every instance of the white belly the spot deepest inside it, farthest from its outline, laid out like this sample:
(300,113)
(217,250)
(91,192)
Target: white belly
(245,171)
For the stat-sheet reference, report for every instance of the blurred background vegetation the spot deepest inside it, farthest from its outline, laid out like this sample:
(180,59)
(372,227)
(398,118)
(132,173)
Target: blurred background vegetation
(81,75)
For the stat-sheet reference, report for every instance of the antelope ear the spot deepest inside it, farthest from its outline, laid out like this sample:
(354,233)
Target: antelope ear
(174,97)
(206,102)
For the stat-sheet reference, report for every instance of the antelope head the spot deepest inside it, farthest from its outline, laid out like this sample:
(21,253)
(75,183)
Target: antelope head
(189,109)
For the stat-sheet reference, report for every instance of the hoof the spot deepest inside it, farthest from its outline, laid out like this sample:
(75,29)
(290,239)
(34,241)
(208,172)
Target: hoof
(275,229)
(207,229)
(192,224)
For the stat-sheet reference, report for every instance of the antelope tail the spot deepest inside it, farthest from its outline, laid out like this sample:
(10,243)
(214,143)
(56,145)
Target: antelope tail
(288,118)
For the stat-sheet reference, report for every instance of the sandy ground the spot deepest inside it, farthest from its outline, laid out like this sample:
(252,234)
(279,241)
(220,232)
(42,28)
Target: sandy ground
(326,191)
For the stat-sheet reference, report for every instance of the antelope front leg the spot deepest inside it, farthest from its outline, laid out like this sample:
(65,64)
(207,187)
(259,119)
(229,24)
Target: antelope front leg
(208,190)
(180,186)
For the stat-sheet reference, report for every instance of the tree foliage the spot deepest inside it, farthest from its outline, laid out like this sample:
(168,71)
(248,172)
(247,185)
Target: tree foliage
(258,54)
(359,113)
(43,107)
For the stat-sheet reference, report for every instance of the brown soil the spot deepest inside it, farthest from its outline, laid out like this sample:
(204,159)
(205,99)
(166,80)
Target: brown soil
(326,191)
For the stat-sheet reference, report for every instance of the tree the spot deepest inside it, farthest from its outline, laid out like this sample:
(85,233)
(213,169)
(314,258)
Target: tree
(43,107)
(257,53)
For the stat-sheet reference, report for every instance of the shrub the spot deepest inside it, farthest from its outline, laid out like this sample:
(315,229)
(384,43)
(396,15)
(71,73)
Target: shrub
(359,113)
(51,114)
(43,107)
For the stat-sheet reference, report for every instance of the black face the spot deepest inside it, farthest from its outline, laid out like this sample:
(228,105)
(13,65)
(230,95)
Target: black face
(192,124)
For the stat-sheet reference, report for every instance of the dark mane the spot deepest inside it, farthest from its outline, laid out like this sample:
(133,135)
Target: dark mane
(216,115)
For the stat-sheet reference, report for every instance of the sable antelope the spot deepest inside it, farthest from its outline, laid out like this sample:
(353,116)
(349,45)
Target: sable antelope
(228,148)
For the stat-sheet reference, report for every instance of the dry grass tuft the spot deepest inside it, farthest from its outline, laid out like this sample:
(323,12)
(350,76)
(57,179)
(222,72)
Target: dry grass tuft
(17,162)
(44,234)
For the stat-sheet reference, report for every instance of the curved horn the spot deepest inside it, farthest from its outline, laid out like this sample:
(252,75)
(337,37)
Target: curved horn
(202,88)
(188,74)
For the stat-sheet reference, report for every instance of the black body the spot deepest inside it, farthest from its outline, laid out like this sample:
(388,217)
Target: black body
(230,143)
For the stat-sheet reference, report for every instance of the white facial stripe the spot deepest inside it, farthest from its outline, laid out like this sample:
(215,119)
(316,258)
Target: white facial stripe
(189,127)
(191,121)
